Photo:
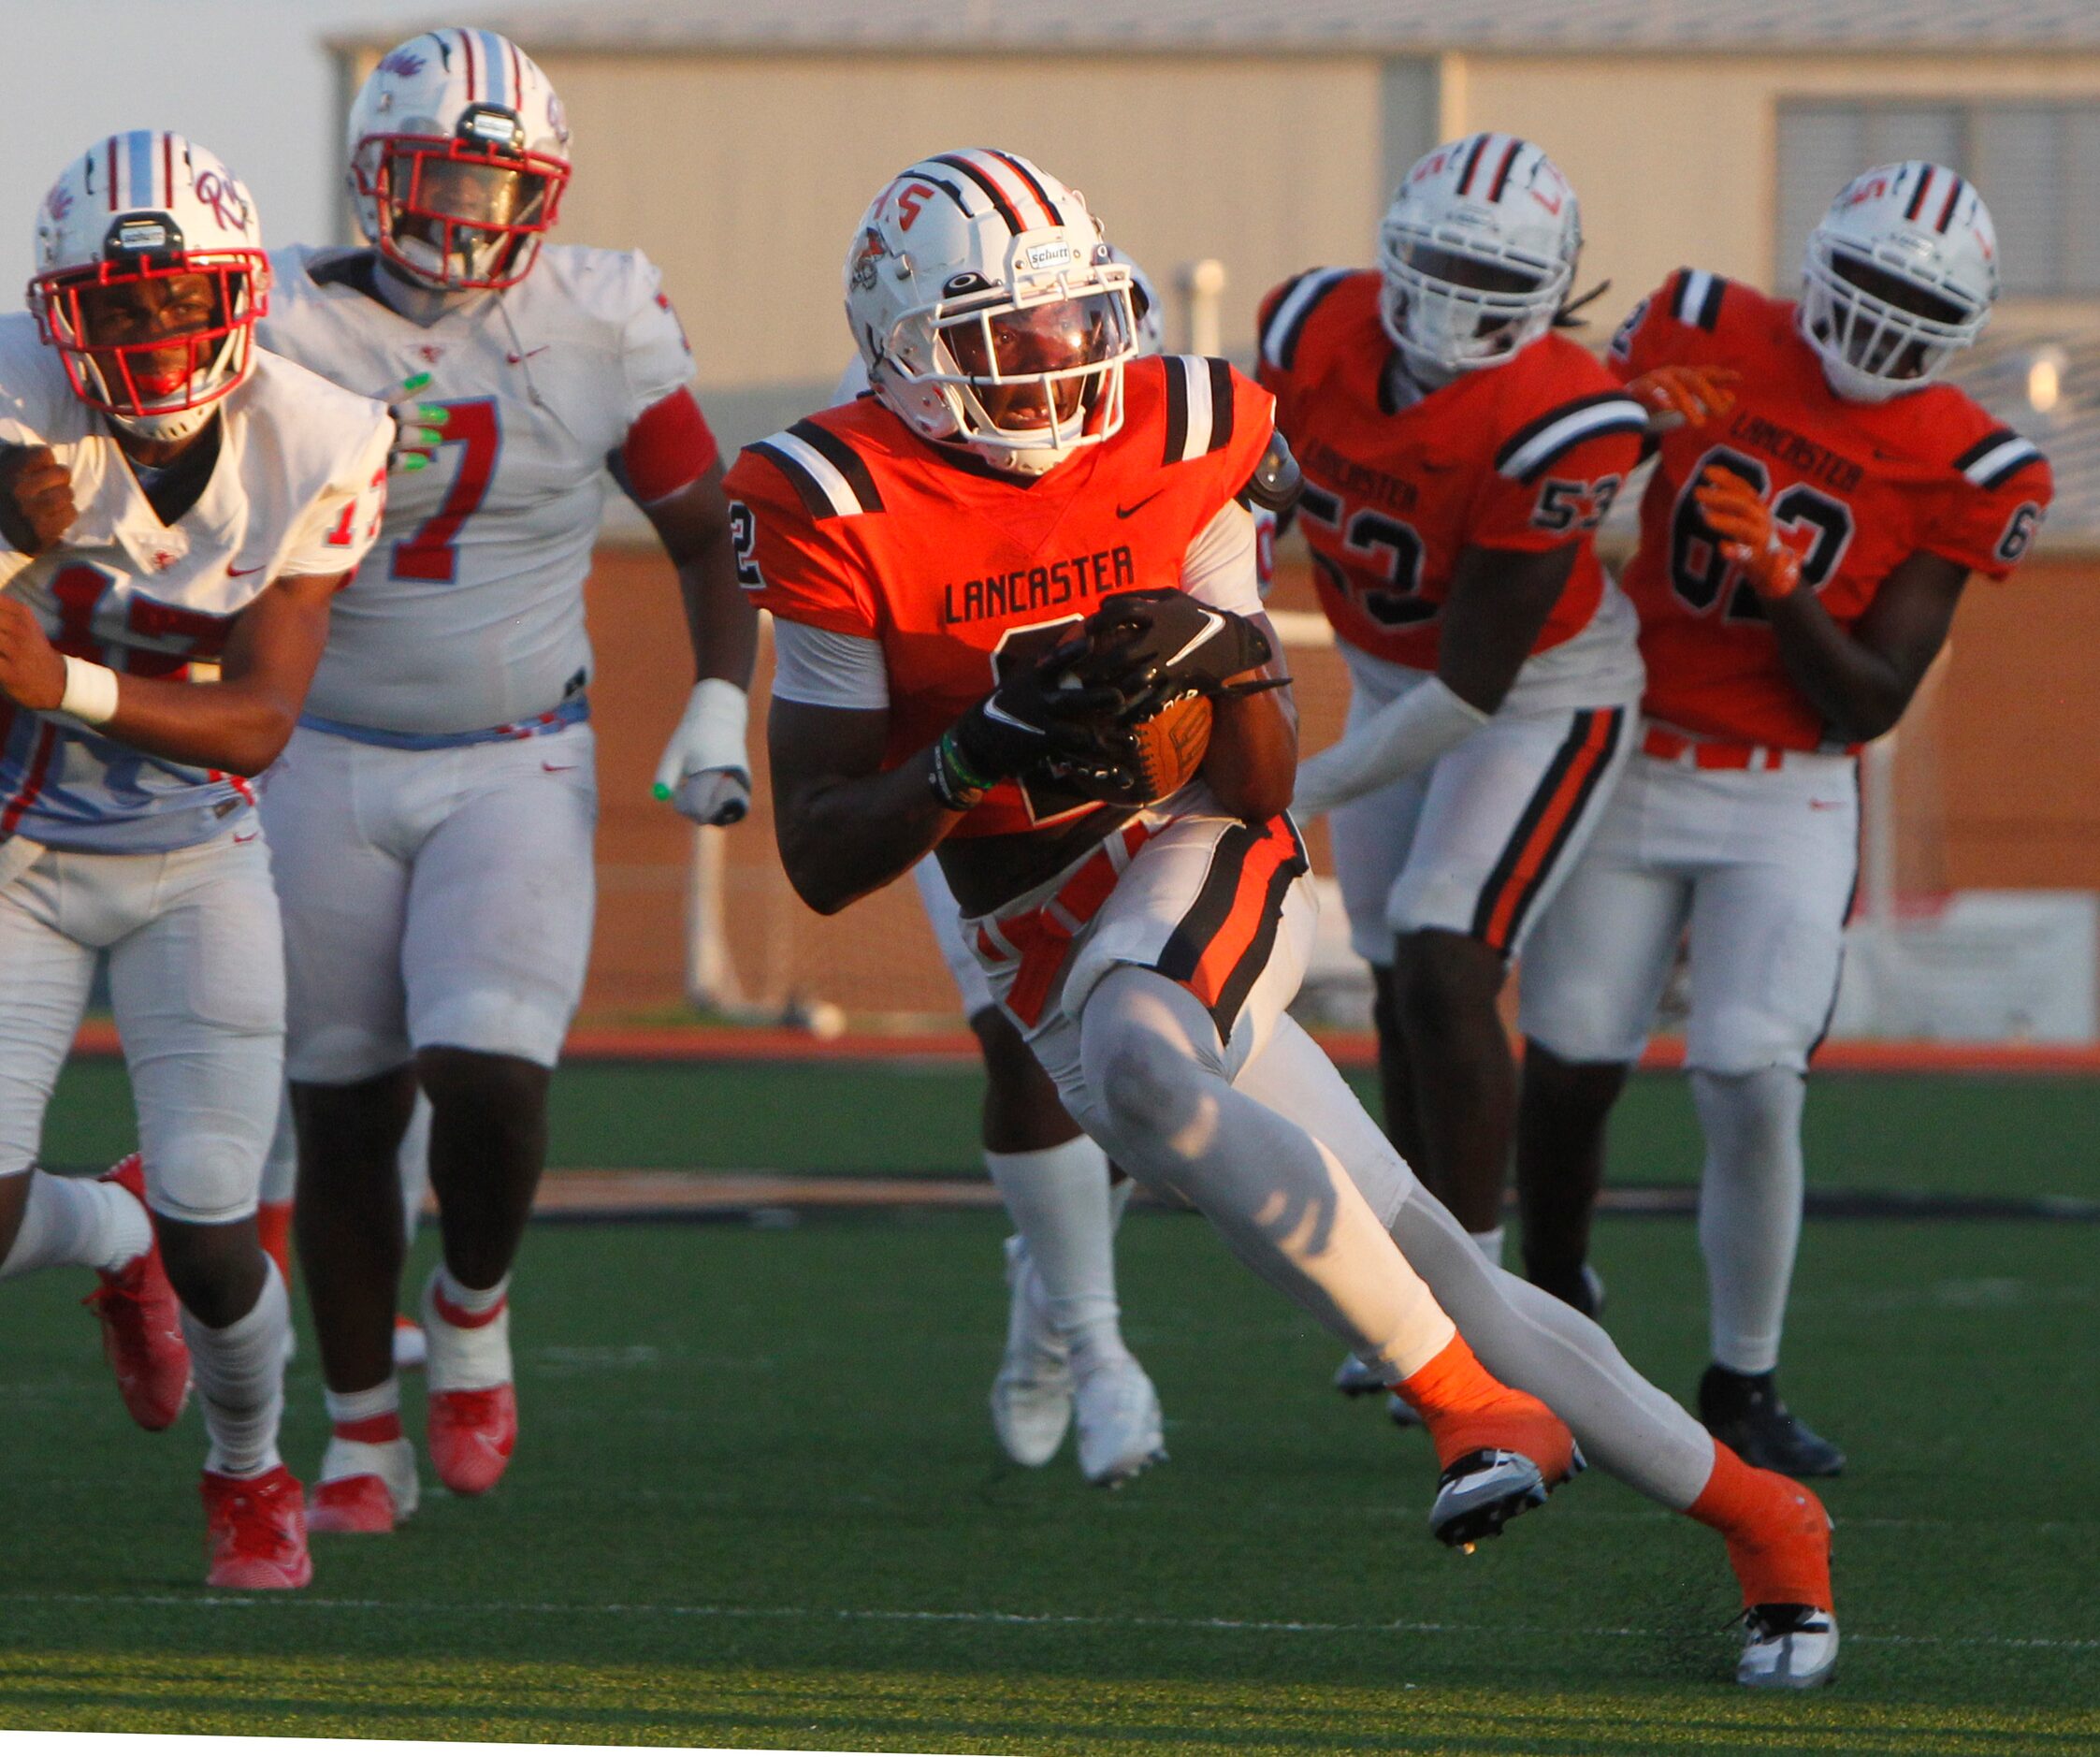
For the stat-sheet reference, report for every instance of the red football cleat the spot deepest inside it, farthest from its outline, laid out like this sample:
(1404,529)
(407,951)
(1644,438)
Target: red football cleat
(471,1435)
(257,1527)
(142,1323)
(350,1503)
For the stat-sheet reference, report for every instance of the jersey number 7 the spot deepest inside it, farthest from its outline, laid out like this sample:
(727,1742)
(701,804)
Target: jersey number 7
(430,552)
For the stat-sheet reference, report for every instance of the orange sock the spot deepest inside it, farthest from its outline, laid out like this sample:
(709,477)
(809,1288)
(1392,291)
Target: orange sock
(1466,1409)
(274,1220)
(1778,1534)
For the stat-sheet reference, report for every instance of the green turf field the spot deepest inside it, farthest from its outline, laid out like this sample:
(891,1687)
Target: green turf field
(757,1503)
(2012,1136)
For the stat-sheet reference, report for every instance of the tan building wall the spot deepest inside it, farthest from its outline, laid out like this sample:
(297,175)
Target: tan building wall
(744,177)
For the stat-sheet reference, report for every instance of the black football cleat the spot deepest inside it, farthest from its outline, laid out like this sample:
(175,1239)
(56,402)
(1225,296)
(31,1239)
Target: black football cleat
(1743,1410)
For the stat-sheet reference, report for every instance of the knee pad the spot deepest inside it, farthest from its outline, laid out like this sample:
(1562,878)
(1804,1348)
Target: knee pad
(206,1177)
(1751,1119)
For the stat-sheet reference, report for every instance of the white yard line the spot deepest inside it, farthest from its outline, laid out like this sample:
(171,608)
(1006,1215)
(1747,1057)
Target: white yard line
(1045,1619)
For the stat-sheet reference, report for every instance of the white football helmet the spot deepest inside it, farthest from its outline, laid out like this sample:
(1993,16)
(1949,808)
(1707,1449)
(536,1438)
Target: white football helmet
(1144,305)
(1477,250)
(458,156)
(150,275)
(1900,276)
(990,312)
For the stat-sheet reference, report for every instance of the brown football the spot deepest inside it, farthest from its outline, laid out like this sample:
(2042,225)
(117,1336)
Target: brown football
(1168,746)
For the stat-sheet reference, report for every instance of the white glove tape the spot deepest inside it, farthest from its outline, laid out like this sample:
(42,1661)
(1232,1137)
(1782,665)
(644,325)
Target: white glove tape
(710,735)
(91,693)
(1402,738)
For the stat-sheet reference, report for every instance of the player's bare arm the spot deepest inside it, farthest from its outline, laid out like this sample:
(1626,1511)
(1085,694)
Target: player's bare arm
(703,770)
(1861,681)
(36,499)
(723,624)
(239,724)
(1499,601)
(846,826)
(1251,764)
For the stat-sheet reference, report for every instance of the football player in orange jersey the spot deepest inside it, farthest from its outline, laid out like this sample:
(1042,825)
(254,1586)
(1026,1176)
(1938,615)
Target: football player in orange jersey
(1799,562)
(1022,503)
(1458,456)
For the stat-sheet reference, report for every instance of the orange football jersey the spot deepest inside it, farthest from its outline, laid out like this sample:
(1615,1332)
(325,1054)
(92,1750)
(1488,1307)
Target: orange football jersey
(1524,456)
(1857,487)
(848,522)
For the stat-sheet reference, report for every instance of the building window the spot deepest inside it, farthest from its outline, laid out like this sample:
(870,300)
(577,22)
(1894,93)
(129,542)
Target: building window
(2031,161)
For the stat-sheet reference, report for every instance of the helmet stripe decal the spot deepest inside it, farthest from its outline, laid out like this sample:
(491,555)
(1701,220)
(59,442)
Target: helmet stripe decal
(1472,162)
(1001,170)
(1019,169)
(1953,196)
(517,75)
(467,44)
(1502,170)
(111,167)
(955,160)
(138,146)
(168,165)
(1918,196)
(498,91)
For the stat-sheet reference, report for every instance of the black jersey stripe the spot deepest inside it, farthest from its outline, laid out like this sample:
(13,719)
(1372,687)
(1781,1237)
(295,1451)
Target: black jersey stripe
(1710,307)
(1282,351)
(1221,404)
(1633,418)
(845,459)
(992,193)
(814,502)
(1177,410)
(1984,446)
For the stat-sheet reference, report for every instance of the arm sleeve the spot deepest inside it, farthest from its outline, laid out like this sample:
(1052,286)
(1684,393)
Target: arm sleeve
(340,525)
(669,448)
(801,567)
(1222,567)
(1538,502)
(828,669)
(1989,529)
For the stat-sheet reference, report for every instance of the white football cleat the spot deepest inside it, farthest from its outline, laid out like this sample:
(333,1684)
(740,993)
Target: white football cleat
(1788,1647)
(364,1487)
(1117,1413)
(1032,1394)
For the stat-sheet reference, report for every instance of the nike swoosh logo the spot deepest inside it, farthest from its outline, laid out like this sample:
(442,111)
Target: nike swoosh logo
(242,572)
(1826,805)
(249,837)
(560,768)
(519,359)
(1124,512)
(1213,622)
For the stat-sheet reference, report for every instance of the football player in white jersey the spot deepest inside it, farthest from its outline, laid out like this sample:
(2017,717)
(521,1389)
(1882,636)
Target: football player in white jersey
(178,510)
(1065,1363)
(434,812)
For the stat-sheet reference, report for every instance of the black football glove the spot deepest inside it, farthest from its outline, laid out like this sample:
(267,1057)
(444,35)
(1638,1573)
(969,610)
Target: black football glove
(1033,717)
(1149,646)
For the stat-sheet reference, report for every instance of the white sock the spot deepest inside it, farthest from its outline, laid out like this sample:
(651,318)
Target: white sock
(1059,1199)
(82,1221)
(384,1399)
(240,1373)
(1749,1208)
(467,1357)
(414,1165)
(1489,1244)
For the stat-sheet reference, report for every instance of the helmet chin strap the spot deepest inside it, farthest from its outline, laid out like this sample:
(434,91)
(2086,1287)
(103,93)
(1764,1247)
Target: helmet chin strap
(422,302)
(165,428)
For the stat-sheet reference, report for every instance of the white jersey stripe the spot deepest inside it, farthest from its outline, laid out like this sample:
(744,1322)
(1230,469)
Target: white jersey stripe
(1620,412)
(825,473)
(1995,461)
(1286,314)
(1196,374)
(1691,295)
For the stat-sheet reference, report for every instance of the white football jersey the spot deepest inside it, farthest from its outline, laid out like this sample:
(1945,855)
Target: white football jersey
(470,614)
(298,489)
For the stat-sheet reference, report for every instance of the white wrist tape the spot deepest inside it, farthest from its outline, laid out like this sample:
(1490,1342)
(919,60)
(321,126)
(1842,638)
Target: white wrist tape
(1402,738)
(710,734)
(91,693)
